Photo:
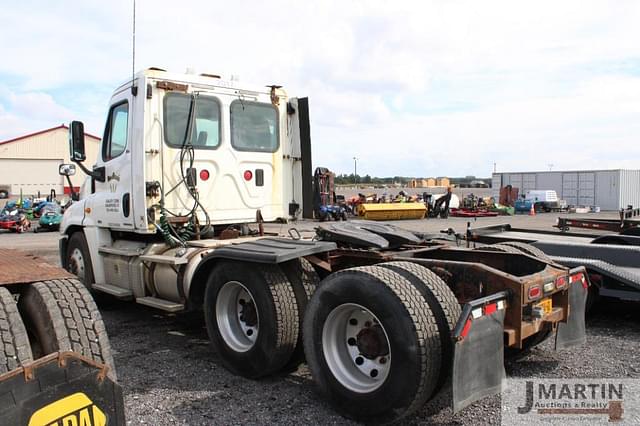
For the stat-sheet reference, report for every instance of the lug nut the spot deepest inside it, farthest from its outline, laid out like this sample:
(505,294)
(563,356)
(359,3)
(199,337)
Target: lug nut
(353,321)
(359,360)
(249,332)
(383,360)
(373,373)
(351,341)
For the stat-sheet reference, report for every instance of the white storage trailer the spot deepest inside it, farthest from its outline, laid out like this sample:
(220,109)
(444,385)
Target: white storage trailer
(608,189)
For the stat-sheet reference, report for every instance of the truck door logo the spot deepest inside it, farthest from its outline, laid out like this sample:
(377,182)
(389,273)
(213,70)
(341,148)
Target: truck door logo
(76,409)
(113,181)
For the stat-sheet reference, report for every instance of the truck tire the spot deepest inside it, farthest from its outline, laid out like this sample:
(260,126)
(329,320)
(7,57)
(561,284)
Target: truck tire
(304,281)
(528,249)
(15,349)
(499,247)
(78,260)
(62,316)
(251,314)
(443,304)
(372,344)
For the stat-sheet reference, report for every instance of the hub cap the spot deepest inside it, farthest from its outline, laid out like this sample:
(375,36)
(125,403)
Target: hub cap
(76,264)
(356,348)
(237,316)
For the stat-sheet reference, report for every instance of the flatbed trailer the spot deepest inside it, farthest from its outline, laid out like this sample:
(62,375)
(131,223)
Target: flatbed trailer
(612,260)
(628,224)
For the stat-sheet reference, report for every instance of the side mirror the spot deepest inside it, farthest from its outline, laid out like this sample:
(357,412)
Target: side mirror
(67,169)
(76,141)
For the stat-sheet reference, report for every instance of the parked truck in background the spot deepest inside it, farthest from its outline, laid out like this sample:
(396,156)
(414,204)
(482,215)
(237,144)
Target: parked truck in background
(385,318)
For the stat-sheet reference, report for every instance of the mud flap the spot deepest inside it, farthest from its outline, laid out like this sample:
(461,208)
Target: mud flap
(63,389)
(478,364)
(572,333)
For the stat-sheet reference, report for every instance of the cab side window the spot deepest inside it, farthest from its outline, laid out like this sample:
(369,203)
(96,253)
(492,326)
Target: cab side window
(116,132)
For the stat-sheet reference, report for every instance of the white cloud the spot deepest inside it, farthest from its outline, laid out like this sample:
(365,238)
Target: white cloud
(414,87)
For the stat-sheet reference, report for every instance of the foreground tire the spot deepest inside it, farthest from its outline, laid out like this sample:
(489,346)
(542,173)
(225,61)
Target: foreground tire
(62,316)
(14,341)
(252,317)
(443,304)
(372,344)
(304,281)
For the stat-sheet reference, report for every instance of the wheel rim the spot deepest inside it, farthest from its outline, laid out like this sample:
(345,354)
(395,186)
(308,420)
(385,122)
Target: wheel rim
(237,316)
(356,348)
(76,264)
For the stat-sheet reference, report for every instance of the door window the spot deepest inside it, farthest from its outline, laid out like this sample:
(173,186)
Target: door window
(116,133)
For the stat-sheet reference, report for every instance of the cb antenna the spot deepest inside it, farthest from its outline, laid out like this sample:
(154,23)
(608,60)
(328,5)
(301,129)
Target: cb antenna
(134,88)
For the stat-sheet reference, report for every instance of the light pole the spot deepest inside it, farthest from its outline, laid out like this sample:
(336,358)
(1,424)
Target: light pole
(355,171)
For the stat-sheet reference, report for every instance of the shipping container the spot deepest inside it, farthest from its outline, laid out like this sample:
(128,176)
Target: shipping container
(607,189)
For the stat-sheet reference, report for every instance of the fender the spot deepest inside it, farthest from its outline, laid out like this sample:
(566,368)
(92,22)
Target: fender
(268,250)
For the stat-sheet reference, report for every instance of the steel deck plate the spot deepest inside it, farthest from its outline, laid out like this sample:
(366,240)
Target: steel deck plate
(18,267)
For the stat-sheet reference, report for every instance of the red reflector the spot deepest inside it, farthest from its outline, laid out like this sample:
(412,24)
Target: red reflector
(467,327)
(535,292)
(577,277)
(489,309)
(204,174)
(561,282)
(248,175)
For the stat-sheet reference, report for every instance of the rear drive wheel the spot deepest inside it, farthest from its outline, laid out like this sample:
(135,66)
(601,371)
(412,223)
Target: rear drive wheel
(499,247)
(304,281)
(15,349)
(372,344)
(62,316)
(528,249)
(252,319)
(443,304)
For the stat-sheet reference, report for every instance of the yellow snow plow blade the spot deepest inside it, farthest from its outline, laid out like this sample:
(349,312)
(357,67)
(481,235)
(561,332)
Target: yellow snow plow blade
(392,211)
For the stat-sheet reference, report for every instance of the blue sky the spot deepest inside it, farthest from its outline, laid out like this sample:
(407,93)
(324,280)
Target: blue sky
(410,88)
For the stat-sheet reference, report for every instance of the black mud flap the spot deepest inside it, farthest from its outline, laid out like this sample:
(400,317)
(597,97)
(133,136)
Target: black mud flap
(63,388)
(573,333)
(478,363)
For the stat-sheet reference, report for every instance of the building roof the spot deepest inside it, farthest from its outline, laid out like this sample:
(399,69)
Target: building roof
(62,126)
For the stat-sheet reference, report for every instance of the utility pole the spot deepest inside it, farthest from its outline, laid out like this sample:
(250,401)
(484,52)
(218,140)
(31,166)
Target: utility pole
(355,171)
(494,167)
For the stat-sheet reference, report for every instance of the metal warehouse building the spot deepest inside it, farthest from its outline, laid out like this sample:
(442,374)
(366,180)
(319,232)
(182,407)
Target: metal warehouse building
(30,162)
(608,189)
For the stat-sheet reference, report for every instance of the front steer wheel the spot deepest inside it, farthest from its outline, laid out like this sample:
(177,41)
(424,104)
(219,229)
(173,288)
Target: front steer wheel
(251,315)
(372,344)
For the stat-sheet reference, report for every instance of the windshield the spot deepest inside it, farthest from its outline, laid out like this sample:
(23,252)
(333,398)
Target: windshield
(51,208)
(206,126)
(254,126)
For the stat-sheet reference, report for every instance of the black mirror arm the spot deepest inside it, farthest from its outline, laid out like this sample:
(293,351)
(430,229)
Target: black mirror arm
(74,194)
(98,174)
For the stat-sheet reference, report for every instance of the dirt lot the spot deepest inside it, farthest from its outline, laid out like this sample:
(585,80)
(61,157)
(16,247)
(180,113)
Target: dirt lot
(170,376)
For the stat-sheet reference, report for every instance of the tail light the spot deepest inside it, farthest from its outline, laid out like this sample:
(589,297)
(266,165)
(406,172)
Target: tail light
(248,175)
(535,292)
(561,282)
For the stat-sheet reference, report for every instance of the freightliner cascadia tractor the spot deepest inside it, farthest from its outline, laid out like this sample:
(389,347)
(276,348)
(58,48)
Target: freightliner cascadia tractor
(172,216)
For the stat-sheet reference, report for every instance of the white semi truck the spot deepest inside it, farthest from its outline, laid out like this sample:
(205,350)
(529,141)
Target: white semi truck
(385,318)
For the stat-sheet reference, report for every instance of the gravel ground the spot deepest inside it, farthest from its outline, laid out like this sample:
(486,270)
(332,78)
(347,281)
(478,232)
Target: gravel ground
(170,375)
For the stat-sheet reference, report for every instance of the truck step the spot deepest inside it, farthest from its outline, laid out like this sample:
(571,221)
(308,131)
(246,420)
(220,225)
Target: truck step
(118,292)
(165,305)
(119,251)
(168,260)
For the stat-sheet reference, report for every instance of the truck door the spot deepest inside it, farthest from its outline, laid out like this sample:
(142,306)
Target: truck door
(111,204)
